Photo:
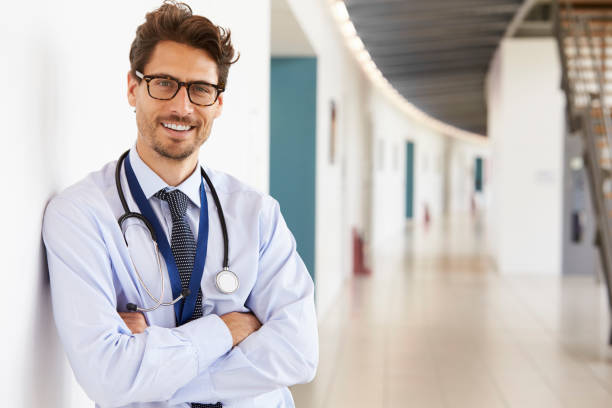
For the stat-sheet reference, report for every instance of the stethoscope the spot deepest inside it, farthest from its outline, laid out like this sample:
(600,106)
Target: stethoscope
(226,281)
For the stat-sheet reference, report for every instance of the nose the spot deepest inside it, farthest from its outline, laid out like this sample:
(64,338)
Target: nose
(181,103)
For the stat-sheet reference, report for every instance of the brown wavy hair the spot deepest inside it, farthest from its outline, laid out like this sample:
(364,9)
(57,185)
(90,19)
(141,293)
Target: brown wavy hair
(174,21)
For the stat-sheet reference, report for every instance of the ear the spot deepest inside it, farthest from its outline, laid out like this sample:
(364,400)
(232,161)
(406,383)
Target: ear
(219,106)
(132,84)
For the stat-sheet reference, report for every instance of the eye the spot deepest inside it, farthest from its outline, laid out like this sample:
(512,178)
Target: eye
(163,83)
(202,89)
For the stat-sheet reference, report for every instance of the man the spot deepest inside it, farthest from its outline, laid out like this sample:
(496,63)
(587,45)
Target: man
(247,329)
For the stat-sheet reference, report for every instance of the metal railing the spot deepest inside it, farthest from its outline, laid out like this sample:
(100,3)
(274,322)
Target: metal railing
(582,116)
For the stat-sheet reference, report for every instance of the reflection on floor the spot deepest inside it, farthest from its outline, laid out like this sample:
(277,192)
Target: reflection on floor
(436,326)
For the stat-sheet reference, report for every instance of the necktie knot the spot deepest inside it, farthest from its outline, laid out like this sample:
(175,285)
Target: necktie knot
(177,201)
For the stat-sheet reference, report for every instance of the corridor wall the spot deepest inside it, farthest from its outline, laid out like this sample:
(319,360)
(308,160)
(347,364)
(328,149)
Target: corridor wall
(364,187)
(526,125)
(391,128)
(443,172)
(342,180)
(65,114)
(462,175)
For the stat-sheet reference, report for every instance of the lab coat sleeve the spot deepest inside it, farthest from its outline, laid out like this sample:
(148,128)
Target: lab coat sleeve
(114,366)
(285,350)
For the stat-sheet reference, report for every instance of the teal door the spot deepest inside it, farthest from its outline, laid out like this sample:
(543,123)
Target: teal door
(293,148)
(478,175)
(409,179)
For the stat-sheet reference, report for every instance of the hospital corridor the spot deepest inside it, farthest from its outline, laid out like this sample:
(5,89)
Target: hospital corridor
(436,326)
(306,204)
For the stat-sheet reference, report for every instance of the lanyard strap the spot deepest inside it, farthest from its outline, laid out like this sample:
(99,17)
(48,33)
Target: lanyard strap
(183,310)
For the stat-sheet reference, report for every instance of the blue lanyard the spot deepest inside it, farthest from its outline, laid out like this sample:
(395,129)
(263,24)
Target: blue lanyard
(183,310)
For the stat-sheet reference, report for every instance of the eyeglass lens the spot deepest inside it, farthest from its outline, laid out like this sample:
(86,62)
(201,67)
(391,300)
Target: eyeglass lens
(201,94)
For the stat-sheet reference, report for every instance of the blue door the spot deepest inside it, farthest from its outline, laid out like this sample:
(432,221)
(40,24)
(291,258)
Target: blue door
(409,179)
(293,148)
(478,175)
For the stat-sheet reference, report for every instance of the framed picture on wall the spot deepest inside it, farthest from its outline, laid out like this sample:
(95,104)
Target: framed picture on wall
(332,133)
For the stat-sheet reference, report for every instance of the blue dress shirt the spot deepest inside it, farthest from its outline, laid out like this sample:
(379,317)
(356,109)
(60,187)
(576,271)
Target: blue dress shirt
(92,278)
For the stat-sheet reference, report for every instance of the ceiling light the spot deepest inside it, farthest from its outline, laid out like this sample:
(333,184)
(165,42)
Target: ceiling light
(363,56)
(340,11)
(370,66)
(356,44)
(348,29)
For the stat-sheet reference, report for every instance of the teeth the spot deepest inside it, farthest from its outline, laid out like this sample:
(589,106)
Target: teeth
(175,126)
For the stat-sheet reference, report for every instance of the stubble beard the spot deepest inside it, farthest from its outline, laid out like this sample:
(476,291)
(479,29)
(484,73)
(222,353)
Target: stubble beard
(164,151)
(149,133)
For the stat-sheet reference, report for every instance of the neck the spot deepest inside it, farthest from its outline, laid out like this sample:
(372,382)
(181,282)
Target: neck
(173,172)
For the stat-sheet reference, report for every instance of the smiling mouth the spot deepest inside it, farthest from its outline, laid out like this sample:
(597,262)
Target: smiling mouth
(176,127)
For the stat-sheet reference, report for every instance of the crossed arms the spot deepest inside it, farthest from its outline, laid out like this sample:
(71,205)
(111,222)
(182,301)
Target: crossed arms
(240,325)
(209,359)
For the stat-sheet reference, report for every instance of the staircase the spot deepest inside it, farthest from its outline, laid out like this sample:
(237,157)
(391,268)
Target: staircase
(584,33)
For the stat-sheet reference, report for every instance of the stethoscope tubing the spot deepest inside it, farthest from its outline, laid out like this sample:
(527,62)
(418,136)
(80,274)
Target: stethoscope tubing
(129,214)
(159,301)
(213,191)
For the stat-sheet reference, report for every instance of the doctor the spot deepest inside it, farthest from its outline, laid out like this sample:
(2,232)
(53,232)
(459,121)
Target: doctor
(200,299)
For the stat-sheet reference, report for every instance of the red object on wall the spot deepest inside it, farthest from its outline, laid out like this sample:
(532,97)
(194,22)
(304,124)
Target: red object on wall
(359,267)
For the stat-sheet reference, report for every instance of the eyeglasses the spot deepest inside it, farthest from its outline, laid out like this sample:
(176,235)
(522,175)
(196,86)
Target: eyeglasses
(165,87)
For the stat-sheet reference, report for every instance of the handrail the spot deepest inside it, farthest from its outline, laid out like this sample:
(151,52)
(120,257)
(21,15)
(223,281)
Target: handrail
(579,86)
(598,68)
(565,81)
(579,29)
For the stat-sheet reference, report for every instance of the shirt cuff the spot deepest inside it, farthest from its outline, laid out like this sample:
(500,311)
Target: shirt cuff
(211,338)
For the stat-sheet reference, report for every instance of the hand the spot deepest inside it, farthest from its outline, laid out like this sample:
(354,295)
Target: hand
(135,321)
(241,325)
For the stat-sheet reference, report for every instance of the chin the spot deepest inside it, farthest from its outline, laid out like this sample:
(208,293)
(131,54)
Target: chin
(174,152)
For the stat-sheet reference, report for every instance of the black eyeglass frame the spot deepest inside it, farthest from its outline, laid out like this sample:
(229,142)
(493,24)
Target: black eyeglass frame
(187,85)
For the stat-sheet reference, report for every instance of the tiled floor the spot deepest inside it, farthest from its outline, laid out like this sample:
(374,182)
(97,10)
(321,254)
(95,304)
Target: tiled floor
(436,327)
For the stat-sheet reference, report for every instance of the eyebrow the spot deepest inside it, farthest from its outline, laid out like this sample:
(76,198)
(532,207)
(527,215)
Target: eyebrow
(163,74)
(175,78)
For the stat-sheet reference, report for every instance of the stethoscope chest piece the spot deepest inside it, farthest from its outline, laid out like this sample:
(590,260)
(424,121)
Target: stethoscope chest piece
(227,281)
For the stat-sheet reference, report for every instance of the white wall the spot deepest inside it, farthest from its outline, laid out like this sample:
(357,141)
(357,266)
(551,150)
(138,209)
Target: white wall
(64,113)
(338,79)
(240,142)
(353,192)
(526,118)
(462,176)
(391,130)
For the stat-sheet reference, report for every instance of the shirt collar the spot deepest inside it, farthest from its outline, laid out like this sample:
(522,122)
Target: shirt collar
(151,183)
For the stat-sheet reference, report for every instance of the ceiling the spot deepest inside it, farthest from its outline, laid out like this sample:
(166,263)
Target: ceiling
(436,53)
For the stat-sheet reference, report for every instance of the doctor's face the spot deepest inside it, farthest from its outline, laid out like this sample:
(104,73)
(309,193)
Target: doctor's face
(174,128)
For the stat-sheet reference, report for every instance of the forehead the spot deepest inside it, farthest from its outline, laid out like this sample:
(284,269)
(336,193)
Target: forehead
(182,61)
